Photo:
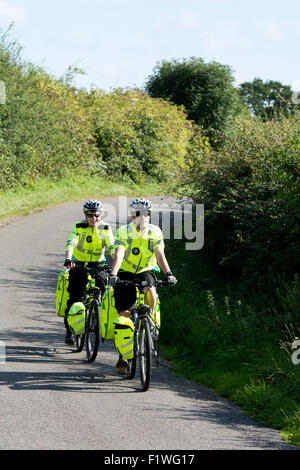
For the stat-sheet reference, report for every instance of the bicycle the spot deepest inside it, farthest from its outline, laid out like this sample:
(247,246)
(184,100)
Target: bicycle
(92,303)
(145,335)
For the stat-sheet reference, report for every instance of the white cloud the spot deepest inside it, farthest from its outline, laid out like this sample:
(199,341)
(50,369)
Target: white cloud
(12,13)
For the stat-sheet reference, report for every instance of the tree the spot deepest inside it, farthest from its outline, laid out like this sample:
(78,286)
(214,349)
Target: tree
(267,100)
(205,90)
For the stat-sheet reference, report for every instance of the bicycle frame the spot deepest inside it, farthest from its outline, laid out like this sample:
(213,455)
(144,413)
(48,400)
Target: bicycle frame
(92,302)
(145,335)
(136,316)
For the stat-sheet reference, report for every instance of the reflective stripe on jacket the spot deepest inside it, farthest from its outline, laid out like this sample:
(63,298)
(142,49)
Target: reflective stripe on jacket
(139,247)
(89,244)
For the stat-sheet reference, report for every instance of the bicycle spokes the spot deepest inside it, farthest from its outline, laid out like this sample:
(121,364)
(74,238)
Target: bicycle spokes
(144,353)
(92,332)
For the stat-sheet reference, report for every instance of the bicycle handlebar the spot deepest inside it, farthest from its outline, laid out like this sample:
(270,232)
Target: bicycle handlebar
(134,282)
(87,269)
(137,283)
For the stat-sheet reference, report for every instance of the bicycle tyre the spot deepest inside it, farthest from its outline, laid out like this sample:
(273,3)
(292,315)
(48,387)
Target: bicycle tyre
(92,332)
(155,350)
(131,370)
(79,342)
(144,353)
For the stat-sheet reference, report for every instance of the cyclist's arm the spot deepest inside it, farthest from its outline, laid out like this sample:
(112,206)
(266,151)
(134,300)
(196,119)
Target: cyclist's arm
(69,252)
(161,259)
(109,241)
(72,240)
(117,259)
(71,243)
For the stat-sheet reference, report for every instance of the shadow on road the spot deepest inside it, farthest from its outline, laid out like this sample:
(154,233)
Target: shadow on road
(41,371)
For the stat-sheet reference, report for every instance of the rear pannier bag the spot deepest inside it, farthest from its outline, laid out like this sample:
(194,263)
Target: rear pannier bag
(109,314)
(76,318)
(62,294)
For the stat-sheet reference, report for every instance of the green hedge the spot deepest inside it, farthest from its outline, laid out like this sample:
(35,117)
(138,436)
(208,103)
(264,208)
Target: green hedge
(251,192)
(48,127)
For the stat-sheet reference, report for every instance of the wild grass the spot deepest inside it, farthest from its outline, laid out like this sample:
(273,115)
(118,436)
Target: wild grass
(240,346)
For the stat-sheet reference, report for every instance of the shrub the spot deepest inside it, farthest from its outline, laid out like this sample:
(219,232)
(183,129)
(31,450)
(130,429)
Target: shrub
(139,137)
(251,193)
(49,127)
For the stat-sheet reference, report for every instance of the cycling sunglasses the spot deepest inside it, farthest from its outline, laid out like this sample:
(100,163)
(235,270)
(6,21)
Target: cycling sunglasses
(90,216)
(146,213)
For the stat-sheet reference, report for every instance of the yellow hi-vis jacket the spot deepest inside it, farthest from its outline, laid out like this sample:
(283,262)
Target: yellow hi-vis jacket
(139,247)
(89,245)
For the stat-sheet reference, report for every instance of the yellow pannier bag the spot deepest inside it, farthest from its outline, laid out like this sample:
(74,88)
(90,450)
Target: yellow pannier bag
(62,294)
(124,337)
(76,318)
(109,314)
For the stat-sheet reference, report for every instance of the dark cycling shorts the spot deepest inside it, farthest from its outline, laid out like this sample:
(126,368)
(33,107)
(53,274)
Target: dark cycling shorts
(125,296)
(78,279)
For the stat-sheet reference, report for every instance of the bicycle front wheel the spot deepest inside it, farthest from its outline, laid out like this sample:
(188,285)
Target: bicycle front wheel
(144,353)
(131,370)
(92,331)
(155,347)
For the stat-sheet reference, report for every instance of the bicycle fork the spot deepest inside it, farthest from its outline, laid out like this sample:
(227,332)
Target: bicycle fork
(153,335)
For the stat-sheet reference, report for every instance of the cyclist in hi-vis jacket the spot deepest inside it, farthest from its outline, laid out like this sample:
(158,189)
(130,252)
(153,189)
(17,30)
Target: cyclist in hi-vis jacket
(87,243)
(138,248)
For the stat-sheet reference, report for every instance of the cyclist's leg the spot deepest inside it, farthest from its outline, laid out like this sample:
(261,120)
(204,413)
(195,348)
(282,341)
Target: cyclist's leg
(101,274)
(125,298)
(77,282)
(151,297)
(150,292)
(68,337)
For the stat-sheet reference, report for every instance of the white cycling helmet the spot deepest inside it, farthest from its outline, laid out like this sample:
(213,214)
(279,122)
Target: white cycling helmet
(140,204)
(92,205)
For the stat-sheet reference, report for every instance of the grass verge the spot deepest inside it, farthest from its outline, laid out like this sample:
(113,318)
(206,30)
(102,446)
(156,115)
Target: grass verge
(49,192)
(240,347)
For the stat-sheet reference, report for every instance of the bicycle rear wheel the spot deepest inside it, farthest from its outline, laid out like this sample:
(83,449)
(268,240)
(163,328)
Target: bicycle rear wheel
(92,331)
(144,353)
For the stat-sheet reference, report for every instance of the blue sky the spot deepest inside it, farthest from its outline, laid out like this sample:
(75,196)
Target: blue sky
(119,42)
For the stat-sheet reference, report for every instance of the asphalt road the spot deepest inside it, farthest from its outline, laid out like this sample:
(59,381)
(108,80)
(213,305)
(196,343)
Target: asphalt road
(51,398)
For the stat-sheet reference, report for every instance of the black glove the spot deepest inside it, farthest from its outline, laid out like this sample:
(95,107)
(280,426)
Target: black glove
(67,263)
(170,278)
(113,280)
